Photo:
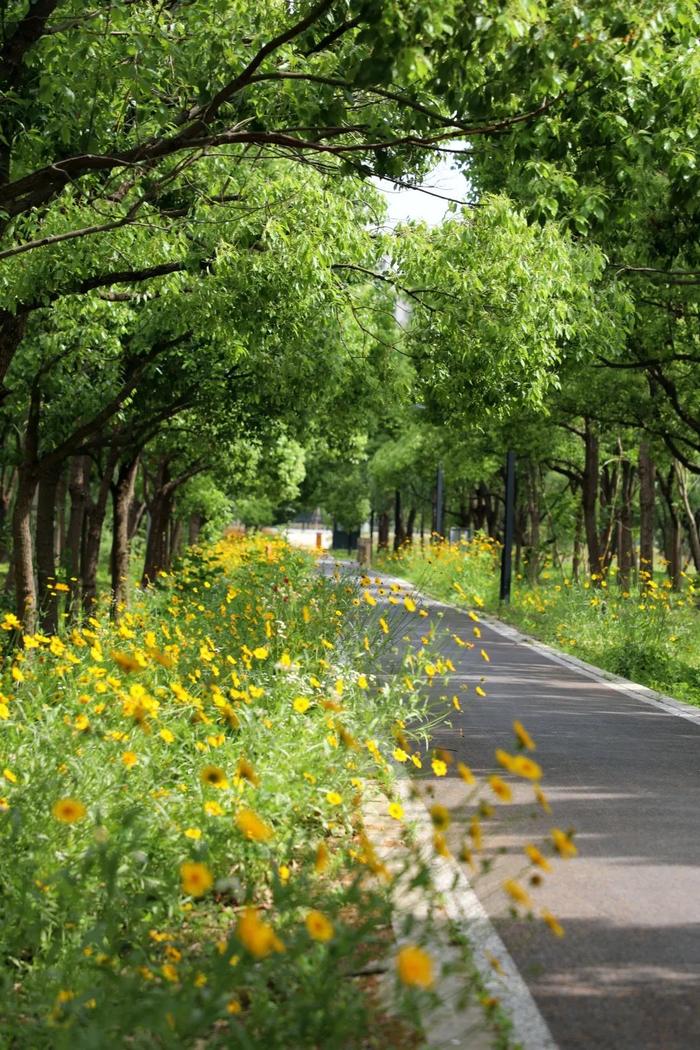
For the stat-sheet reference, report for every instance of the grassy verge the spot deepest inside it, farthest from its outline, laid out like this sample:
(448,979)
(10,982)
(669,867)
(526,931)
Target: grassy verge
(182,859)
(651,638)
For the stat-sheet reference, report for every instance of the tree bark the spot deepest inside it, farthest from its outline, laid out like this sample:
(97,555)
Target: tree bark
(576,554)
(411,524)
(533,510)
(25,585)
(383,531)
(78,481)
(673,532)
(399,534)
(122,496)
(46,552)
(589,496)
(624,540)
(646,512)
(691,524)
(94,523)
(194,527)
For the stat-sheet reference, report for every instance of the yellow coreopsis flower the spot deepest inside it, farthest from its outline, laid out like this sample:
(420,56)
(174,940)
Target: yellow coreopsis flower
(414,967)
(319,927)
(524,738)
(563,843)
(68,810)
(252,826)
(196,878)
(396,810)
(500,788)
(214,776)
(256,935)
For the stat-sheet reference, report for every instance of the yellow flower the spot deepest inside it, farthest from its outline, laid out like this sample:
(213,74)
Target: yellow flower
(252,826)
(523,736)
(9,775)
(333,798)
(526,767)
(563,843)
(384,625)
(82,722)
(409,604)
(196,878)
(301,704)
(554,925)
(414,967)
(261,653)
(537,858)
(318,926)
(256,935)
(516,892)
(500,788)
(485,656)
(466,773)
(129,758)
(542,799)
(440,817)
(193,833)
(439,767)
(369,598)
(322,858)
(17,674)
(68,810)
(213,809)
(167,736)
(362,682)
(233,1006)
(479,691)
(399,754)
(245,771)
(396,810)
(214,776)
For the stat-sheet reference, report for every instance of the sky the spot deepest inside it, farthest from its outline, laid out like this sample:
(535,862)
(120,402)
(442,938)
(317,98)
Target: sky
(414,204)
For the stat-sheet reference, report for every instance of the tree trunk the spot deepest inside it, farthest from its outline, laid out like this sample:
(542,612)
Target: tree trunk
(673,532)
(78,481)
(60,530)
(157,544)
(122,496)
(399,534)
(46,552)
(383,531)
(533,510)
(691,524)
(624,541)
(174,541)
(646,512)
(411,524)
(25,586)
(576,554)
(194,527)
(94,522)
(589,497)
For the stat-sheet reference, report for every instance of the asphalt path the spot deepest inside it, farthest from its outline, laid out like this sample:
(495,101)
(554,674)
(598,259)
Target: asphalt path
(626,776)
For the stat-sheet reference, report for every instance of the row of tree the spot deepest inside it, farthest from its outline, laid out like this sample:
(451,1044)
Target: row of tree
(199,304)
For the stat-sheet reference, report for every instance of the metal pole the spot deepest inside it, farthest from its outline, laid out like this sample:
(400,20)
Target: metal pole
(440,502)
(506,557)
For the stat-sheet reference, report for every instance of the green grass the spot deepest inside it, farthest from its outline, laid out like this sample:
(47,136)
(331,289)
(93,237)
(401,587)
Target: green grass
(651,637)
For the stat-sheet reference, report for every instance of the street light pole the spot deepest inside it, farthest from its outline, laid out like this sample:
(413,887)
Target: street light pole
(509,530)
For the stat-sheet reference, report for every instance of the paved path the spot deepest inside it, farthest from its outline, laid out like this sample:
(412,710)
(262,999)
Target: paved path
(626,776)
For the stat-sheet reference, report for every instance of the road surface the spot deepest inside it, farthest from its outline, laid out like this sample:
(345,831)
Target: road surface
(626,776)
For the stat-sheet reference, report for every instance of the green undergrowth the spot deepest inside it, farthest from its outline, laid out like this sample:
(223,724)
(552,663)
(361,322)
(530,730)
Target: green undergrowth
(182,855)
(650,637)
